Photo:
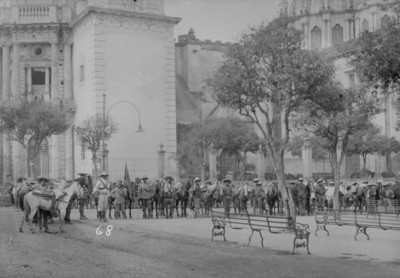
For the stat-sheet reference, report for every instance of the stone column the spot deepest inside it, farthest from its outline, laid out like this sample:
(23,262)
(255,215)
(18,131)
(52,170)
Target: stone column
(54,71)
(47,81)
(357,23)
(324,31)
(306,155)
(15,91)
(6,72)
(67,72)
(2,156)
(29,79)
(7,161)
(346,33)
(161,162)
(212,157)
(329,40)
(69,156)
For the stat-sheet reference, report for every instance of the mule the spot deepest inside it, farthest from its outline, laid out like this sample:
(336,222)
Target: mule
(32,204)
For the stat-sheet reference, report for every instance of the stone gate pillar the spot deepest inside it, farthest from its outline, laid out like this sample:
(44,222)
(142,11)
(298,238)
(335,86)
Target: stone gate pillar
(306,154)
(212,162)
(161,162)
(261,164)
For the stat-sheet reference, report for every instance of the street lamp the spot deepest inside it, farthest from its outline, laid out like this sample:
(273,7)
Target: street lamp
(140,128)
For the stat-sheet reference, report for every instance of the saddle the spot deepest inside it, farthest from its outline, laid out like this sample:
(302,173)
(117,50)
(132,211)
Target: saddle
(47,194)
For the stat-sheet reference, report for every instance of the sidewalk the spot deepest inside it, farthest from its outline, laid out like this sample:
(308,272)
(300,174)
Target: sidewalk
(382,246)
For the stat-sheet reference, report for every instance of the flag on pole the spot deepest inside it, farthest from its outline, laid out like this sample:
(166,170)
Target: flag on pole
(127,179)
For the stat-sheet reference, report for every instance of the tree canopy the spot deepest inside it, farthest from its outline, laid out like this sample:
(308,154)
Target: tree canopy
(30,123)
(378,59)
(233,135)
(90,133)
(266,76)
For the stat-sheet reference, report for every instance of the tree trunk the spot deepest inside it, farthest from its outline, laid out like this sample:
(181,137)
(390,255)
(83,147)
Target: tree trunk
(364,156)
(336,172)
(388,163)
(94,161)
(287,197)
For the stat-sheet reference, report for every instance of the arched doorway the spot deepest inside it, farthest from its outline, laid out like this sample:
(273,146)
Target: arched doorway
(41,166)
(229,163)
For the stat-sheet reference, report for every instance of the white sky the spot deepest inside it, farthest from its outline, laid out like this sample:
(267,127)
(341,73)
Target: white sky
(222,20)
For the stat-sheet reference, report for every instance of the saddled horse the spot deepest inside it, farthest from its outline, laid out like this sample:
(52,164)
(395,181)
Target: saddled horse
(182,197)
(298,191)
(274,200)
(34,203)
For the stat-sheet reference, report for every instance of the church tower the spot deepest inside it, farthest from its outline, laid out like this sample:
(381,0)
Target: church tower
(72,53)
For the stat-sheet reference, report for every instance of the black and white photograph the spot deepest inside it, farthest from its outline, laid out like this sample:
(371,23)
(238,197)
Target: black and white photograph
(199,138)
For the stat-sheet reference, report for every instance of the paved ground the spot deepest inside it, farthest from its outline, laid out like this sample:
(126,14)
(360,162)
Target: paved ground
(182,248)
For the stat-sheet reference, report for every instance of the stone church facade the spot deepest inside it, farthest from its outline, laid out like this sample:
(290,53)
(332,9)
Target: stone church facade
(78,53)
(328,25)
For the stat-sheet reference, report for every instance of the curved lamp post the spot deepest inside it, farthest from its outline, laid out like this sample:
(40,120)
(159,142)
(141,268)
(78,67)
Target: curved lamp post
(140,128)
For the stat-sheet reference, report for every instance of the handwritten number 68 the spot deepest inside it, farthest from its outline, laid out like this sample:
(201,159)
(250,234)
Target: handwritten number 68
(108,232)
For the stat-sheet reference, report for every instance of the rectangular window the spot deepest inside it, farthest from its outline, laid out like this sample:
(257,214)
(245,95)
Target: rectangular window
(81,73)
(38,77)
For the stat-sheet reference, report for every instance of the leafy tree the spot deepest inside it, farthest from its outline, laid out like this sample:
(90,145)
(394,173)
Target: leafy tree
(90,133)
(31,123)
(364,142)
(230,134)
(377,59)
(387,146)
(336,115)
(266,76)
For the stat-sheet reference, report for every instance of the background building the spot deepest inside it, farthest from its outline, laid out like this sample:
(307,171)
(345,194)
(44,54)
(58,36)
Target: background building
(73,52)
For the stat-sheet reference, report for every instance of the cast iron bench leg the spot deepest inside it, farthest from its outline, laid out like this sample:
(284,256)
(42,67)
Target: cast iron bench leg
(361,230)
(321,226)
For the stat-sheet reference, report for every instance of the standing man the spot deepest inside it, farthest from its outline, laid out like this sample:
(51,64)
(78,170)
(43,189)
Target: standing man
(145,194)
(120,197)
(168,195)
(227,192)
(257,194)
(195,193)
(102,188)
(320,194)
(84,197)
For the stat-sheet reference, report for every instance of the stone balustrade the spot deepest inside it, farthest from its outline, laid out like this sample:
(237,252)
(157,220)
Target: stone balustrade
(33,12)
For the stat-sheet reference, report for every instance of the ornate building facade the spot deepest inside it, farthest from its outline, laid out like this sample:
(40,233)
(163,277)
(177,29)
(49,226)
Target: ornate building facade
(78,53)
(332,26)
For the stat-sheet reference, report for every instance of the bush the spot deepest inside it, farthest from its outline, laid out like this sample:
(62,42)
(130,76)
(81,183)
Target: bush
(270,176)
(386,174)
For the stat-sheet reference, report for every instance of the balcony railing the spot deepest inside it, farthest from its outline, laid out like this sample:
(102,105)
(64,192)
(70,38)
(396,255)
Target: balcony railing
(33,12)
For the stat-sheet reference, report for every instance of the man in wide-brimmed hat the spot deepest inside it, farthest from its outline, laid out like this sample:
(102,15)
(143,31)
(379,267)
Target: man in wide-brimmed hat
(320,194)
(101,189)
(257,194)
(145,195)
(227,194)
(168,192)
(195,193)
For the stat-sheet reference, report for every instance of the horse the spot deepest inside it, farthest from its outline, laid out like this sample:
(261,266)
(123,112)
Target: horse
(131,194)
(183,198)
(298,191)
(33,204)
(154,200)
(360,198)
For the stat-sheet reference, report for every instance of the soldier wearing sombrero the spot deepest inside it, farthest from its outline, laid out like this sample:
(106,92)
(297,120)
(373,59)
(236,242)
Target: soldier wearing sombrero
(101,188)
(145,195)
(168,196)
(227,192)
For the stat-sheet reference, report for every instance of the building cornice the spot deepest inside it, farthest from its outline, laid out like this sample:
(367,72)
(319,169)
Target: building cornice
(97,10)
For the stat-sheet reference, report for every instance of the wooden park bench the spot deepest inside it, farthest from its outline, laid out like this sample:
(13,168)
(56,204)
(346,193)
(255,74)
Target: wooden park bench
(360,219)
(258,223)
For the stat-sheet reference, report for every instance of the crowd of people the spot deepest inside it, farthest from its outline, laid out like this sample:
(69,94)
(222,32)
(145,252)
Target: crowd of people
(160,197)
